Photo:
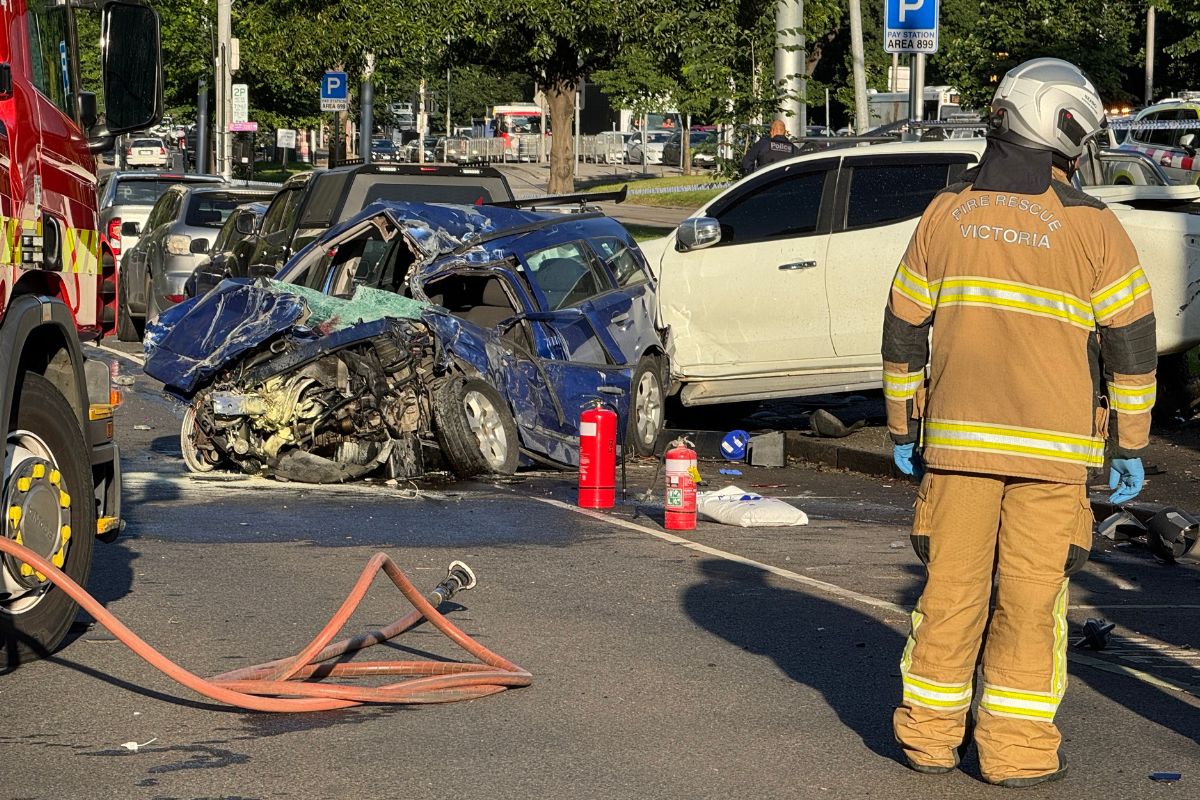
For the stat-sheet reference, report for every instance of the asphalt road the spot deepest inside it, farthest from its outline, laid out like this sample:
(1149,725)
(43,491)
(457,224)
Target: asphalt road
(731,663)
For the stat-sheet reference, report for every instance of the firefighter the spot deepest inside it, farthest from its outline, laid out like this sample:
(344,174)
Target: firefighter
(775,146)
(1042,347)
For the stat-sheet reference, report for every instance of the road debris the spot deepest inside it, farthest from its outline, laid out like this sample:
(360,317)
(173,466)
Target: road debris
(133,746)
(733,505)
(1095,634)
(826,425)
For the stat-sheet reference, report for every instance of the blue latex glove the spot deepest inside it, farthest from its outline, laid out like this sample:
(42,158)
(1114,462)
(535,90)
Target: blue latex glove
(1126,476)
(908,460)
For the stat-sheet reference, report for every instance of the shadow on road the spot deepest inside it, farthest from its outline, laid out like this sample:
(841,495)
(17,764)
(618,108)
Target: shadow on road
(848,656)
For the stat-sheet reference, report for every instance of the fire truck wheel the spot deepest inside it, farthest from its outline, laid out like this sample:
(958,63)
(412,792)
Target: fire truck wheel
(48,478)
(647,406)
(127,330)
(475,428)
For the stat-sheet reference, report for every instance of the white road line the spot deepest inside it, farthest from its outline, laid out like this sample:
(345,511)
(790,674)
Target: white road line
(828,588)
(848,594)
(141,362)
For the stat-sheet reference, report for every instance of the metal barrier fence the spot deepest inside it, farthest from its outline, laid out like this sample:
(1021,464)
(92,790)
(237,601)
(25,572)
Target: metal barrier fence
(604,148)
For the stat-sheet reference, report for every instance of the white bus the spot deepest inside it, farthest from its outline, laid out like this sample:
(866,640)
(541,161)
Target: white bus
(884,108)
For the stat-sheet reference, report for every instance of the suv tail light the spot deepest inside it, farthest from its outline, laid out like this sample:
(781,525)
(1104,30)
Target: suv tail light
(114,236)
(162,151)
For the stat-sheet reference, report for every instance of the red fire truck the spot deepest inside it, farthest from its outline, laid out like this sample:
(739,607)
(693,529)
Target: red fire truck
(62,479)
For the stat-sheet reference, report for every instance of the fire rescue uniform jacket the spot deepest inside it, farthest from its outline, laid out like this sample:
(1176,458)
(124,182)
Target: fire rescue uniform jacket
(1042,346)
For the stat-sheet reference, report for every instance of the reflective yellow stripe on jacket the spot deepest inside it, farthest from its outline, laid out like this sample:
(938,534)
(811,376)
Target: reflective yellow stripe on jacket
(902,385)
(1120,294)
(1023,442)
(1022,298)
(1132,399)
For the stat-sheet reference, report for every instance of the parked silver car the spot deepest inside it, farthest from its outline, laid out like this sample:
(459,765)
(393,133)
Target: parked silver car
(127,197)
(177,237)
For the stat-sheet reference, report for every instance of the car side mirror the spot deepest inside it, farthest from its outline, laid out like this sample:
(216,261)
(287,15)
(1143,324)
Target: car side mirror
(1187,142)
(697,233)
(130,228)
(261,271)
(246,224)
(199,246)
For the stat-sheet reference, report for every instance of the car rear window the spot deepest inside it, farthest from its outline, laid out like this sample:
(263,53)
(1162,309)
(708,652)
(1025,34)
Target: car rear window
(140,193)
(146,143)
(211,210)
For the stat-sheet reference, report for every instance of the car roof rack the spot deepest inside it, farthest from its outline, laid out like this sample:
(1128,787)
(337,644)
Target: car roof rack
(519,230)
(583,198)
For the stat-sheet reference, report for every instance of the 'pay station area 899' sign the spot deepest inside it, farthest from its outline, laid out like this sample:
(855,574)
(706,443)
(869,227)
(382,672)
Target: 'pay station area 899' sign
(910,26)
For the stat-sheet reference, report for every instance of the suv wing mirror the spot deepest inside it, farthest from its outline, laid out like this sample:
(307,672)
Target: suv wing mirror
(1188,143)
(697,233)
(246,224)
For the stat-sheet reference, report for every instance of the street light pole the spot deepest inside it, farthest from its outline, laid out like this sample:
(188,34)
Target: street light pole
(789,65)
(366,109)
(860,73)
(224,88)
(1149,93)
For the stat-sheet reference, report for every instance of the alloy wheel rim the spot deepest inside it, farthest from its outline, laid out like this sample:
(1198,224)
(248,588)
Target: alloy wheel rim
(484,421)
(649,408)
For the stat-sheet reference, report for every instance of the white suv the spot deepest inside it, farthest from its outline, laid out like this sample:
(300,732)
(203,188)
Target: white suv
(780,285)
(147,152)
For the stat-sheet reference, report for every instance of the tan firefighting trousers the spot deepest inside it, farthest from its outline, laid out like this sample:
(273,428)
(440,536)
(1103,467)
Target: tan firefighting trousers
(1026,537)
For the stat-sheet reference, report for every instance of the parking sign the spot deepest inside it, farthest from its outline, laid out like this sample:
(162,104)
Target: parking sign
(335,92)
(910,26)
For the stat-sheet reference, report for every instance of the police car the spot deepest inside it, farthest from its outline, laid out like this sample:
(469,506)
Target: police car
(1169,133)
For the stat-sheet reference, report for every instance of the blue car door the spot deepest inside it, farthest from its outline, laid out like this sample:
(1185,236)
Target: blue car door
(626,311)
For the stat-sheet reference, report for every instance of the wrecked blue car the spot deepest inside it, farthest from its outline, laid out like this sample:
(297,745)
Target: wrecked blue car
(416,337)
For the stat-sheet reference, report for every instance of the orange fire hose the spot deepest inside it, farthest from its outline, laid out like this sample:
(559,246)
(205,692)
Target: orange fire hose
(282,685)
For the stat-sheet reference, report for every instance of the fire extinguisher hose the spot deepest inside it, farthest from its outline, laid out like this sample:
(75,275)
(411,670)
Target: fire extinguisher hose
(283,685)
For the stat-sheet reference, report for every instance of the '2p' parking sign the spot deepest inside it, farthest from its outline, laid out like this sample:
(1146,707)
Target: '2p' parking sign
(910,26)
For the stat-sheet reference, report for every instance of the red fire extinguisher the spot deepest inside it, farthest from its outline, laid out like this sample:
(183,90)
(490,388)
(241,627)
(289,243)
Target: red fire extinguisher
(597,457)
(679,504)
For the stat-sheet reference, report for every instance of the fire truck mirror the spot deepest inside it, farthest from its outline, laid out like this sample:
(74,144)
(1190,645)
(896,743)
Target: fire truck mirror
(132,64)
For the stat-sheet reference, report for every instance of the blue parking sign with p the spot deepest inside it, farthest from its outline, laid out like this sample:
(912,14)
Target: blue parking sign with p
(334,86)
(910,26)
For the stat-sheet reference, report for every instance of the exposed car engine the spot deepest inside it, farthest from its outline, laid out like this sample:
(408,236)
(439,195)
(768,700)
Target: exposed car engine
(320,411)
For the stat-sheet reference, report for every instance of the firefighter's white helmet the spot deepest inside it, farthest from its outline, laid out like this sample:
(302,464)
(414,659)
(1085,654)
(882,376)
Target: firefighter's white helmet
(1047,104)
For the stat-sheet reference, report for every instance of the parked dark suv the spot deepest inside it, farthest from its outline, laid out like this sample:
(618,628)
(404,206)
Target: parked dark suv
(311,203)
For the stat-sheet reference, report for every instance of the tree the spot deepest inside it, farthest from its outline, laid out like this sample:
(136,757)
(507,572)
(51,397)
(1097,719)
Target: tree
(556,43)
(1099,38)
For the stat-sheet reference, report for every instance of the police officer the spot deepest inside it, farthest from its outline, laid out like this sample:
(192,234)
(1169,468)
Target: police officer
(1043,345)
(775,146)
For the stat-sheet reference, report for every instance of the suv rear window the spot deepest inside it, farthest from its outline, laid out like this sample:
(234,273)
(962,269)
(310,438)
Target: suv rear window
(416,189)
(146,143)
(140,193)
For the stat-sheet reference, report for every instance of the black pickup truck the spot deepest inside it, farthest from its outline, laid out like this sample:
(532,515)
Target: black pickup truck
(310,203)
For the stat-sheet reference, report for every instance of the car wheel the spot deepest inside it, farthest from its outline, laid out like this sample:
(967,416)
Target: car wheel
(127,328)
(48,476)
(475,428)
(195,457)
(647,406)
